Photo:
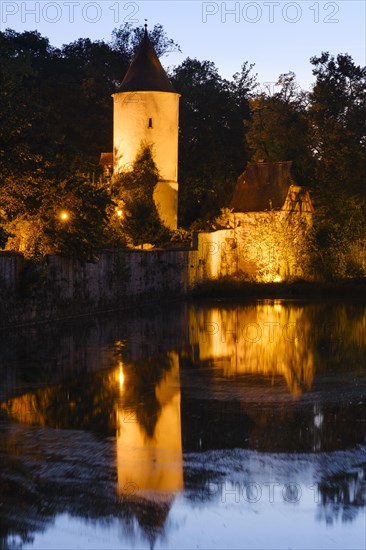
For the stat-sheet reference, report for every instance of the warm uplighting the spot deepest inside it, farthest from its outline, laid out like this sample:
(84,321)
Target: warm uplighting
(268,341)
(119,213)
(121,377)
(64,216)
(269,277)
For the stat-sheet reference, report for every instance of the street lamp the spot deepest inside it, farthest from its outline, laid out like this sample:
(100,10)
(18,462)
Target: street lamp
(64,216)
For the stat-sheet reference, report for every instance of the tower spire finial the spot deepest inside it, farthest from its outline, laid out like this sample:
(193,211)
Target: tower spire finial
(145,26)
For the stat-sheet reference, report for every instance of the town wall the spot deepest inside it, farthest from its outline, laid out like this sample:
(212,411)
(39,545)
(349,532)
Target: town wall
(61,286)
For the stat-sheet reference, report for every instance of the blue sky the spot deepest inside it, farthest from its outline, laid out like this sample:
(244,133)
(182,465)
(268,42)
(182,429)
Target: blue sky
(277,36)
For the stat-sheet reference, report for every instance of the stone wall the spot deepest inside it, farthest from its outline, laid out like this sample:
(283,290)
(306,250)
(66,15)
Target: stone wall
(62,286)
(120,275)
(11,265)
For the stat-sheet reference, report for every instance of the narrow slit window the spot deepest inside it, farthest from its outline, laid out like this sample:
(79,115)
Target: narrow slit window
(150,123)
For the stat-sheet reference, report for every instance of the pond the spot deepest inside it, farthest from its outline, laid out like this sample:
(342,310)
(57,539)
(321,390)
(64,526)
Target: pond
(219,425)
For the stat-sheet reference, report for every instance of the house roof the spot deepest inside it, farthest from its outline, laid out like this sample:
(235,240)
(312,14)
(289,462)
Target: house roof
(262,186)
(146,72)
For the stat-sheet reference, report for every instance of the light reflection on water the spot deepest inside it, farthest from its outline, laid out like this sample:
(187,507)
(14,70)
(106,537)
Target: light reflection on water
(223,426)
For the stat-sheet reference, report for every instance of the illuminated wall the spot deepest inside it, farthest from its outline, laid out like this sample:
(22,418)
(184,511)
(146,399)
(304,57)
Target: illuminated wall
(262,246)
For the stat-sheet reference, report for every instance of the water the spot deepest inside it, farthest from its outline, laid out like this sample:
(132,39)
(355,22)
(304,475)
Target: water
(216,426)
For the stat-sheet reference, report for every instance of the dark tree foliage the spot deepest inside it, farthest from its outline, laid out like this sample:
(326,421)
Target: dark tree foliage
(83,99)
(211,136)
(337,113)
(26,131)
(126,39)
(279,128)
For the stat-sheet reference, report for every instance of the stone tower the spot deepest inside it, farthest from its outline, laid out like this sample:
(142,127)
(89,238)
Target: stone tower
(146,111)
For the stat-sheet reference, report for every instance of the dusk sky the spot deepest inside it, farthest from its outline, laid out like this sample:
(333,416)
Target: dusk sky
(278,36)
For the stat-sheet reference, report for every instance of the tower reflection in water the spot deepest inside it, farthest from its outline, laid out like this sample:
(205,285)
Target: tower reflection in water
(149,457)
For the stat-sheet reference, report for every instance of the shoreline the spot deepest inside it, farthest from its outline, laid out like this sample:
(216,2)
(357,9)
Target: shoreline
(223,290)
(352,289)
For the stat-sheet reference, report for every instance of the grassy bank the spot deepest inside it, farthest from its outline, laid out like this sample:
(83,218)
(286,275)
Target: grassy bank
(227,288)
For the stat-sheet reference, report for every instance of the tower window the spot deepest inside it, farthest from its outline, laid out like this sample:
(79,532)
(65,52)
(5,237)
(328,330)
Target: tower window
(150,123)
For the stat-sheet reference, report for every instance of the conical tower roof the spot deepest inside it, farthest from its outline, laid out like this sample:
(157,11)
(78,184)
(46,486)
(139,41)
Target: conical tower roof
(146,73)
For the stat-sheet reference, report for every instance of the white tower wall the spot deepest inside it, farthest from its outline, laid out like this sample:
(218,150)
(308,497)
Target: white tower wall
(150,117)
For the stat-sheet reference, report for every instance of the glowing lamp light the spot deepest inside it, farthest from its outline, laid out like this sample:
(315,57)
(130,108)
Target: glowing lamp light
(64,216)
(119,213)
(121,377)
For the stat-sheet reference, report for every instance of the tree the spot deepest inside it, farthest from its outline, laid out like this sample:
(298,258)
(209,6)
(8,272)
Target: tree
(84,109)
(55,215)
(338,119)
(278,129)
(133,190)
(126,39)
(211,145)
(338,116)
(25,129)
(339,234)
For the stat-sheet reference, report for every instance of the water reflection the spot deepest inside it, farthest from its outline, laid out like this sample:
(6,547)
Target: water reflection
(280,340)
(179,408)
(149,447)
(268,340)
